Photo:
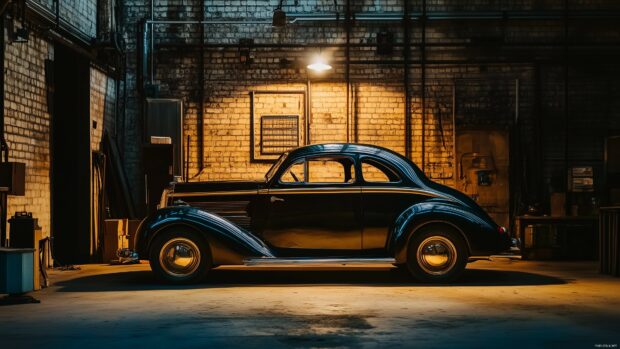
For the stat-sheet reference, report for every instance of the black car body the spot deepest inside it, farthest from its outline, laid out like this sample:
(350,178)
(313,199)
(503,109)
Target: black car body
(334,213)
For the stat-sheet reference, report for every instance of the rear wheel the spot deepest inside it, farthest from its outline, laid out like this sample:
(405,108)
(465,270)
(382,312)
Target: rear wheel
(436,254)
(179,256)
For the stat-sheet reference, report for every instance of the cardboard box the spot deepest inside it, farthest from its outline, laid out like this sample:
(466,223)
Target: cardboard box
(558,204)
(114,238)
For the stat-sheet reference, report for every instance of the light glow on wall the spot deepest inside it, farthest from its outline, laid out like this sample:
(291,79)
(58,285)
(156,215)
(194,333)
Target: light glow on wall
(319,64)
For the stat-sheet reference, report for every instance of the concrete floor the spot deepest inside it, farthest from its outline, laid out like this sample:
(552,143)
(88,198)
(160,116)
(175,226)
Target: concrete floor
(497,304)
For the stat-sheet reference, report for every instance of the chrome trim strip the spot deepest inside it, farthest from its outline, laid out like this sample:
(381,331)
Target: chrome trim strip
(505,256)
(495,256)
(215,193)
(299,262)
(300,191)
(398,190)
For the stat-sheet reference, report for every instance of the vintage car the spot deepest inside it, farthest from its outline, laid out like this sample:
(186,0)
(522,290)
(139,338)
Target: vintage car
(321,204)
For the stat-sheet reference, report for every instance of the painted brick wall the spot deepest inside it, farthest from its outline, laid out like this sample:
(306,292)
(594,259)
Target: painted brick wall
(27,124)
(81,14)
(27,120)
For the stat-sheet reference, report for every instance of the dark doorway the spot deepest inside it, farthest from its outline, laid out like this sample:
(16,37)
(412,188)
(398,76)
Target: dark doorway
(71,158)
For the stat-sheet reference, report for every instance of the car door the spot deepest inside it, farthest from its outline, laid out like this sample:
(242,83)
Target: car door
(315,207)
(385,195)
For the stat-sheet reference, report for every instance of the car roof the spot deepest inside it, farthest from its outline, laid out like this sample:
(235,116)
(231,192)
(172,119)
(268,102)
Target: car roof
(330,148)
(405,166)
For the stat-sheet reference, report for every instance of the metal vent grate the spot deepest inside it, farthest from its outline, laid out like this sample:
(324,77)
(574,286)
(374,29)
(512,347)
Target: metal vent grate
(278,133)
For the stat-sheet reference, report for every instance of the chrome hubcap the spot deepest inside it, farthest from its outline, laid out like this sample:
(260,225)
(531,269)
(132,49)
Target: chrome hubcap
(436,255)
(179,257)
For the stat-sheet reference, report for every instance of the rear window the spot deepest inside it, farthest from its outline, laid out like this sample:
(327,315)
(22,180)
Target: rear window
(376,172)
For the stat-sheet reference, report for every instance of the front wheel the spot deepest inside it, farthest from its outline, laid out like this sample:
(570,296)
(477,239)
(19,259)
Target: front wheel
(436,254)
(179,256)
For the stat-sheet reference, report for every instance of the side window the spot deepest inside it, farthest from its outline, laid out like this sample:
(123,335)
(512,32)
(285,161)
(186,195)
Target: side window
(294,174)
(376,172)
(320,170)
(330,170)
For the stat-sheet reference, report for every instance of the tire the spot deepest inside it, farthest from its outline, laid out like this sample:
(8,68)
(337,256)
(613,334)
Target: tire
(179,255)
(436,254)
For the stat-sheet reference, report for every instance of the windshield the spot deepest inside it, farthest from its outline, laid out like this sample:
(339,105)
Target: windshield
(274,167)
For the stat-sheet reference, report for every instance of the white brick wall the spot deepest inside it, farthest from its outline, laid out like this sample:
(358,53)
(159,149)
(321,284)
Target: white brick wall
(27,125)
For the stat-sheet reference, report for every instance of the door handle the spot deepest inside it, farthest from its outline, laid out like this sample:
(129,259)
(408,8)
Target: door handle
(275,198)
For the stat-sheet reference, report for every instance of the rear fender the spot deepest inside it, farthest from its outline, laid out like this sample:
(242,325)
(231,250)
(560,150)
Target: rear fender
(471,226)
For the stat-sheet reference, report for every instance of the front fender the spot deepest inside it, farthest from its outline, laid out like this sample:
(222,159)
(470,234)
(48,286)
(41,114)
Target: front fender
(478,232)
(229,243)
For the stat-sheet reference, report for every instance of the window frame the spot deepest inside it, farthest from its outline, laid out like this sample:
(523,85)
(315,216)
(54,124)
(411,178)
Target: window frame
(305,160)
(383,163)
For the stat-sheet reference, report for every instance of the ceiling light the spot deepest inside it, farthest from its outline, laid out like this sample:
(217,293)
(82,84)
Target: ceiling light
(319,65)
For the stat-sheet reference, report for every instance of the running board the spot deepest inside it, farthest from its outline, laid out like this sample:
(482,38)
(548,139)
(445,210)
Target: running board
(313,262)
(496,257)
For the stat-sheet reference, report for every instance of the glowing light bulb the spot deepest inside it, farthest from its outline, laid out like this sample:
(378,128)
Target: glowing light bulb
(319,65)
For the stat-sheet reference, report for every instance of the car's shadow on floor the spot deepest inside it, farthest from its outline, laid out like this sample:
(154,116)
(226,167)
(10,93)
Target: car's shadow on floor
(226,278)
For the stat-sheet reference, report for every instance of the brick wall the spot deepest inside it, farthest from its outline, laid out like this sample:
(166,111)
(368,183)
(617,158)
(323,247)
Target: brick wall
(80,14)
(102,106)
(27,124)
(27,119)
(486,93)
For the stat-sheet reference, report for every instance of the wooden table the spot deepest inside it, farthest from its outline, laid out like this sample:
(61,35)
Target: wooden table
(523,221)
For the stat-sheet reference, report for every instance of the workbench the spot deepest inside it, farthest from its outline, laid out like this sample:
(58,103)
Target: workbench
(589,225)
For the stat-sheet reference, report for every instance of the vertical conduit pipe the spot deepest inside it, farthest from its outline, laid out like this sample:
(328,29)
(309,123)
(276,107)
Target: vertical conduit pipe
(566,113)
(406,58)
(455,175)
(201,89)
(152,41)
(540,177)
(423,82)
(347,23)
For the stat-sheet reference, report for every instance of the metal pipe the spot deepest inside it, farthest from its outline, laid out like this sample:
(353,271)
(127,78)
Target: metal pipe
(423,82)
(201,88)
(586,45)
(308,114)
(517,102)
(454,167)
(355,115)
(454,15)
(186,159)
(517,181)
(57,9)
(348,66)
(566,100)
(167,21)
(398,16)
(143,54)
(540,188)
(406,61)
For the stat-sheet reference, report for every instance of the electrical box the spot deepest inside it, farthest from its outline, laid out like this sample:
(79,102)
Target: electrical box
(581,179)
(164,118)
(16,270)
(13,177)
